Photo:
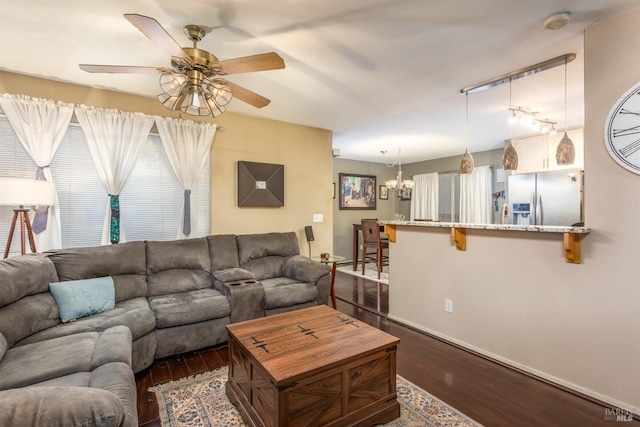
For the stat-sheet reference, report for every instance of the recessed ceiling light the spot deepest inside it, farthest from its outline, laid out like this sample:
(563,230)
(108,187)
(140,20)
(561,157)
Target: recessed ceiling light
(556,21)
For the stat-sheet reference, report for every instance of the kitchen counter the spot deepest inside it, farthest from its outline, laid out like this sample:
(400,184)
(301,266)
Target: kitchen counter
(572,235)
(506,227)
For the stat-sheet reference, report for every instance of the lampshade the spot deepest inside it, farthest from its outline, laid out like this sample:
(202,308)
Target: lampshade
(466,163)
(195,104)
(566,151)
(510,158)
(26,192)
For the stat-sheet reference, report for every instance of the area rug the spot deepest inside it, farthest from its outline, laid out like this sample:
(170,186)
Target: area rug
(201,401)
(370,272)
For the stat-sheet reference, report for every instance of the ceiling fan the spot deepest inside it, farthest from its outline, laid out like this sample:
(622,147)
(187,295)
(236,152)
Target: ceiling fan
(192,84)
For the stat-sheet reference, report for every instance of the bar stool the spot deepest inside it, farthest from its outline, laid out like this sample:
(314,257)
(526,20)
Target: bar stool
(372,240)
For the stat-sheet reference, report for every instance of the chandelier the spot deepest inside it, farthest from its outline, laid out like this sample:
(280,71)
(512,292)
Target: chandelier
(398,185)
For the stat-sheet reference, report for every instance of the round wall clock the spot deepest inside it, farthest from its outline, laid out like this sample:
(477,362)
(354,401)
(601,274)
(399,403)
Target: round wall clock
(622,130)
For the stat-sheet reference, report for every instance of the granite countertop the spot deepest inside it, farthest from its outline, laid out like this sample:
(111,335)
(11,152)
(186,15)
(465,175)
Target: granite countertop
(504,227)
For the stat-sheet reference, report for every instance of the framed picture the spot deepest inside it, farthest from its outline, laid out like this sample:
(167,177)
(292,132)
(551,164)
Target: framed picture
(260,184)
(406,194)
(357,191)
(384,193)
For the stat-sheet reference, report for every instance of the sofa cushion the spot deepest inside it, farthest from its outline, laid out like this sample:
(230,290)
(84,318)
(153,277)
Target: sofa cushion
(178,266)
(223,250)
(125,263)
(25,275)
(33,363)
(30,315)
(60,406)
(189,307)
(264,254)
(285,291)
(80,298)
(256,246)
(134,314)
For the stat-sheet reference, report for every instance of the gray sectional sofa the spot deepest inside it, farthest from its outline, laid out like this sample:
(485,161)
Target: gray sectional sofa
(169,297)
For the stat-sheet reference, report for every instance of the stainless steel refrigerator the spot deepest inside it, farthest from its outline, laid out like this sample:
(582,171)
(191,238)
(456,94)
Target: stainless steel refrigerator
(546,198)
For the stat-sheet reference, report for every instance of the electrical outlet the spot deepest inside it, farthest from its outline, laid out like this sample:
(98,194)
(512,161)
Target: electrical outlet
(318,218)
(448,305)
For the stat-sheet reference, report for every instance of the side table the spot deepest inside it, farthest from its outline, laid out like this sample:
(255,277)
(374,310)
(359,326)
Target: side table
(333,259)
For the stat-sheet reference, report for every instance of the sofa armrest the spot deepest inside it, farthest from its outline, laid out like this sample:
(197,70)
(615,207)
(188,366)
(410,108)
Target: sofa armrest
(232,275)
(305,270)
(245,294)
(57,406)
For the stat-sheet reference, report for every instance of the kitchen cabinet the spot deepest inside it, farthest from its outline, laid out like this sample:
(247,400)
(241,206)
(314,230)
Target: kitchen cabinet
(538,153)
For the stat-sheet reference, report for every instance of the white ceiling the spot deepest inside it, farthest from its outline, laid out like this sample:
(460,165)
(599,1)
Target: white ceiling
(381,74)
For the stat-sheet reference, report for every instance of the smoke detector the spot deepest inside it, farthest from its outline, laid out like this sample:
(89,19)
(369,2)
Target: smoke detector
(556,21)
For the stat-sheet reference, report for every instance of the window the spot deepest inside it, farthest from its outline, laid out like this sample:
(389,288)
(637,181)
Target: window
(150,201)
(449,197)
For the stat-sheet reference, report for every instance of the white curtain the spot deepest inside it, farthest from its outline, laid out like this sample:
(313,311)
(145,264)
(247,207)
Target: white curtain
(40,125)
(475,196)
(115,139)
(424,200)
(187,144)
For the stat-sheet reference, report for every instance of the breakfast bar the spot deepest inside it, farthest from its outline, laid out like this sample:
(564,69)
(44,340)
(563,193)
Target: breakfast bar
(572,235)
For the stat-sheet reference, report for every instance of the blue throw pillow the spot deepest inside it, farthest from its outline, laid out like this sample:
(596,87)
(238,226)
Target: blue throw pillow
(79,298)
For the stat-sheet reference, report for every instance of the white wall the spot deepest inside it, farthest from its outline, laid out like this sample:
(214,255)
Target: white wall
(576,324)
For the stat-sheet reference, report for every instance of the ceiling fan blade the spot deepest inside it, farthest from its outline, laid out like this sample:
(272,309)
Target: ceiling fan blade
(247,96)
(156,33)
(262,62)
(91,68)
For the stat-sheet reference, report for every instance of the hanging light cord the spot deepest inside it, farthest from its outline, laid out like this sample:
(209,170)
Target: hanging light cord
(466,97)
(565,95)
(510,105)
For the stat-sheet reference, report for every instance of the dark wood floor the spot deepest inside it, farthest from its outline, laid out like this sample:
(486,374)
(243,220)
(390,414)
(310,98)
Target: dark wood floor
(489,393)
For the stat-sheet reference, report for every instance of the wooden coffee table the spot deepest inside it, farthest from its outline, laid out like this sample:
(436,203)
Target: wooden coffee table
(312,367)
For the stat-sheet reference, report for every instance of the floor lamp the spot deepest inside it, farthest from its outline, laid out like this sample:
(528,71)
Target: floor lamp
(21,193)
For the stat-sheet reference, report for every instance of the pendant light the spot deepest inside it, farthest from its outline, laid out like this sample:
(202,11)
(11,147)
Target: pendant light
(510,155)
(566,151)
(466,163)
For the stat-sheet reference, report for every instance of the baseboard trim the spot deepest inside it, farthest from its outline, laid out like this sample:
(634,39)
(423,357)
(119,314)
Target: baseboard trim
(583,393)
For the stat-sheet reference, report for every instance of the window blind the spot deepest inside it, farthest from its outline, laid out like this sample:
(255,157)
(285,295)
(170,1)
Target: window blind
(150,201)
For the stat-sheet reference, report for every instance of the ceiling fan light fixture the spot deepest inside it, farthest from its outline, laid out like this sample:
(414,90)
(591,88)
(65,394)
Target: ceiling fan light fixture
(171,102)
(220,91)
(215,108)
(195,103)
(172,83)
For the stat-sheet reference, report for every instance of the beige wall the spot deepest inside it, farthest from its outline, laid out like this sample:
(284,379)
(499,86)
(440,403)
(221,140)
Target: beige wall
(514,297)
(305,153)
